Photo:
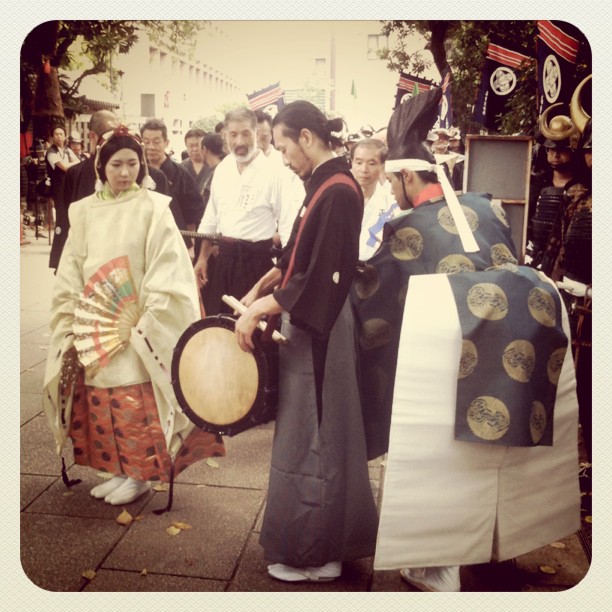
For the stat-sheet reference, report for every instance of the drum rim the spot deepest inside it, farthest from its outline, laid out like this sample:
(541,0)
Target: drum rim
(227,321)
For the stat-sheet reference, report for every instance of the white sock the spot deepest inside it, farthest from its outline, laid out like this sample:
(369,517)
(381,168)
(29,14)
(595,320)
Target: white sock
(129,491)
(104,489)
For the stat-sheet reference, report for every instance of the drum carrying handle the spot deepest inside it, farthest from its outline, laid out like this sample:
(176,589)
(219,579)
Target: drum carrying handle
(241,308)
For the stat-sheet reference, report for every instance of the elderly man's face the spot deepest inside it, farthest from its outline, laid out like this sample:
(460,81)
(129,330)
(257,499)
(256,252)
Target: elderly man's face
(367,165)
(155,146)
(241,138)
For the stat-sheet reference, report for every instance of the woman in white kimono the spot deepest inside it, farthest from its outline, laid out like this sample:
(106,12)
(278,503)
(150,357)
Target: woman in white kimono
(125,292)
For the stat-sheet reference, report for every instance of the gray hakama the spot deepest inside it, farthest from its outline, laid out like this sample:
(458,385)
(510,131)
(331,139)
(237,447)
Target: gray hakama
(320,505)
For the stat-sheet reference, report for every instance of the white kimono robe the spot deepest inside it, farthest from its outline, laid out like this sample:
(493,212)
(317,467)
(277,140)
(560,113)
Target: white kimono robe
(138,225)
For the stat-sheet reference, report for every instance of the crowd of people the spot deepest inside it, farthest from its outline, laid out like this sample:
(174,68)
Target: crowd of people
(318,237)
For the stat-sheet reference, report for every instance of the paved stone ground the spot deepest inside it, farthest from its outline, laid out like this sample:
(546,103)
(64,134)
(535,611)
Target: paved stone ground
(64,532)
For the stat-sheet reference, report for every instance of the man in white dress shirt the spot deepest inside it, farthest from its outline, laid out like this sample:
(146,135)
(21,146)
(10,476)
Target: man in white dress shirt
(244,207)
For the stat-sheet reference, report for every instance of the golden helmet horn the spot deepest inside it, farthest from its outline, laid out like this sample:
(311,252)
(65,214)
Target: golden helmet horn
(578,114)
(559,127)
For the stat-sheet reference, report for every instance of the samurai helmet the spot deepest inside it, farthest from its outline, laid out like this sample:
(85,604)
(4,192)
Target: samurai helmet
(558,129)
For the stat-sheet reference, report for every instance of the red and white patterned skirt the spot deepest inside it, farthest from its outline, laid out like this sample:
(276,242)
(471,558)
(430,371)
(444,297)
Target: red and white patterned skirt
(117,430)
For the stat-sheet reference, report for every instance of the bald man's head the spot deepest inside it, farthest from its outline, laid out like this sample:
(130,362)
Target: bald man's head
(101,122)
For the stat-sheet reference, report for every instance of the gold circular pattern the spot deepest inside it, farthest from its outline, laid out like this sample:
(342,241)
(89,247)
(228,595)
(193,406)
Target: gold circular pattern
(451,264)
(406,244)
(375,333)
(554,365)
(519,360)
(542,307)
(499,212)
(367,282)
(501,254)
(537,421)
(469,359)
(445,219)
(487,301)
(488,418)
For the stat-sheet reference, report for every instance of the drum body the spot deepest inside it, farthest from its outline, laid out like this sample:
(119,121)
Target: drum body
(221,388)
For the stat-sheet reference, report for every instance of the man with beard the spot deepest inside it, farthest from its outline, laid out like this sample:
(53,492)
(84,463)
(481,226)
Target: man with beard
(246,195)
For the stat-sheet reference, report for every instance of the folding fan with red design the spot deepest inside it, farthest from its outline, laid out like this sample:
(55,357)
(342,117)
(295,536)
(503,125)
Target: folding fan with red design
(105,314)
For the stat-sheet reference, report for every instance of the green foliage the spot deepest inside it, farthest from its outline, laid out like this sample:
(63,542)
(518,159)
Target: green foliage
(209,122)
(72,45)
(176,36)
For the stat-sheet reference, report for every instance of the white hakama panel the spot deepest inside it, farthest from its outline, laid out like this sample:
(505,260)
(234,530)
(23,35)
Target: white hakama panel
(449,502)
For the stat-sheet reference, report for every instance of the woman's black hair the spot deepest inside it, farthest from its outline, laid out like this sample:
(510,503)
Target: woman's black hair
(116,143)
(300,115)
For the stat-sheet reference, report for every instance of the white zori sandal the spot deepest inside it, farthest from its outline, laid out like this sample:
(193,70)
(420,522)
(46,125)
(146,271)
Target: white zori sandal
(433,579)
(325,573)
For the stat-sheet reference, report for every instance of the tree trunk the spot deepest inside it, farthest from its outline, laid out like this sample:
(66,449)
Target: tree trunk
(438,31)
(48,110)
(39,50)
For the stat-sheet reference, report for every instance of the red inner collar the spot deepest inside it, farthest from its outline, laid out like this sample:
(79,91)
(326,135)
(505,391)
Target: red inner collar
(433,190)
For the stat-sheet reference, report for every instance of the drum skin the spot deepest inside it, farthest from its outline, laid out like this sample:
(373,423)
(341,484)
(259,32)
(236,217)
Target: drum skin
(220,387)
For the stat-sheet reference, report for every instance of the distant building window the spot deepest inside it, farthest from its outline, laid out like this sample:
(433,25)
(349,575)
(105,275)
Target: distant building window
(376,43)
(147,105)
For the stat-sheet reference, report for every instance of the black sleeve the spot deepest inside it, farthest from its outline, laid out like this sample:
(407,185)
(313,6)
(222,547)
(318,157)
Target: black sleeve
(161,182)
(69,185)
(325,262)
(190,201)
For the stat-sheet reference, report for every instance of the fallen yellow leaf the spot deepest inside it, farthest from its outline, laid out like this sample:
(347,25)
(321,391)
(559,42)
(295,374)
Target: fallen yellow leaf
(588,519)
(546,569)
(172,530)
(144,572)
(212,463)
(89,574)
(558,545)
(68,493)
(125,518)
(104,475)
(180,525)
(161,487)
